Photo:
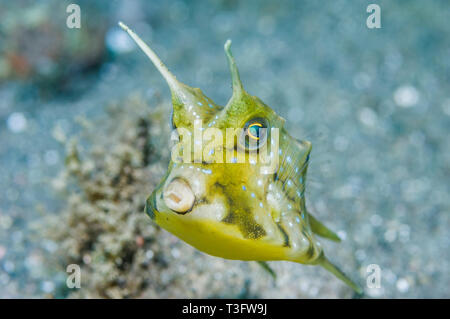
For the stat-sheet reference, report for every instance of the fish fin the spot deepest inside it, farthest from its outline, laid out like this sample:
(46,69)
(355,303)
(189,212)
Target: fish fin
(267,268)
(320,229)
(325,263)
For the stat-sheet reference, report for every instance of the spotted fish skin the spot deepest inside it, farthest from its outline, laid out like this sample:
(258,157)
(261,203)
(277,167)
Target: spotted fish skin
(238,212)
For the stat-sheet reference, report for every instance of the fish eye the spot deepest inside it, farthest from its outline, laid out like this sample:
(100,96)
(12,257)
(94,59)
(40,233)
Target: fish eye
(254,134)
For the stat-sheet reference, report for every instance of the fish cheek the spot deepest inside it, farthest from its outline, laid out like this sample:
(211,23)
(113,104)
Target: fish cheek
(239,213)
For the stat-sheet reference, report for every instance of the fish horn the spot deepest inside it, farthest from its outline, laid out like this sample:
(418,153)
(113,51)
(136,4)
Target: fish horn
(186,100)
(325,263)
(238,89)
(168,76)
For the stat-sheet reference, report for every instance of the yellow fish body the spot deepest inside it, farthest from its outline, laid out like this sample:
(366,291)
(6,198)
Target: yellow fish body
(227,207)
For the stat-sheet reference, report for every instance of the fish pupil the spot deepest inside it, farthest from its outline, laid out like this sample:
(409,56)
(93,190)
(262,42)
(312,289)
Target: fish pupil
(254,131)
(254,134)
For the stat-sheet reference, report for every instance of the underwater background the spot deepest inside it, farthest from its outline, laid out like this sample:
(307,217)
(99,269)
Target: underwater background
(85,124)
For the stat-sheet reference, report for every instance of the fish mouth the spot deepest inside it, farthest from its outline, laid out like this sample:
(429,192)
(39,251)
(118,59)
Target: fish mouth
(178,196)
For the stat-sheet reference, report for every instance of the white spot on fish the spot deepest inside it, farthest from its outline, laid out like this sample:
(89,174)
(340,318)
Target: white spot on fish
(261,205)
(207,171)
(244,188)
(253,195)
(297,219)
(199,103)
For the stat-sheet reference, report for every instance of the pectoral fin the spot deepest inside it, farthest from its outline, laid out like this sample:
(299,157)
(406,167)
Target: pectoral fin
(320,229)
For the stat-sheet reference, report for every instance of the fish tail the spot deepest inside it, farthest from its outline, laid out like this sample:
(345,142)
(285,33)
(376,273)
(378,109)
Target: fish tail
(325,263)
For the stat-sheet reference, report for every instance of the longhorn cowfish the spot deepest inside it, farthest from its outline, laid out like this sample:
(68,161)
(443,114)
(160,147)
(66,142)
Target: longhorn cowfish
(226,206)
